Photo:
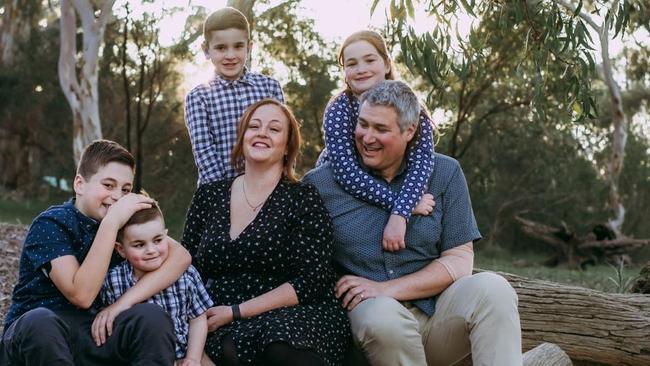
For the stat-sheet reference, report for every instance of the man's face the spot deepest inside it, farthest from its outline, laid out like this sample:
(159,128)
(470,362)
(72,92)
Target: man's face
(379,140)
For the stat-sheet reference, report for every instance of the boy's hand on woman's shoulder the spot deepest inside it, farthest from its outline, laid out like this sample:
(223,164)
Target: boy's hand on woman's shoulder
(120,212)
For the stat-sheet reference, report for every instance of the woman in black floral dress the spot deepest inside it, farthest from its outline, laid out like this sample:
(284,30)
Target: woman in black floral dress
(262,241)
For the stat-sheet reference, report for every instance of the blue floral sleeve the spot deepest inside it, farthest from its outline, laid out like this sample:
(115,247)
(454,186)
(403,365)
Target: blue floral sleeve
(339,122)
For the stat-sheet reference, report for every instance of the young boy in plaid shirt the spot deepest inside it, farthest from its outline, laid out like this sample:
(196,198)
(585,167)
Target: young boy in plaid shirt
(143,242)
(213,109)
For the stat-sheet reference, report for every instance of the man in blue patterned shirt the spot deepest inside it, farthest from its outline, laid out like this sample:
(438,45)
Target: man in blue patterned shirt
(143,242)
(420,305)
(213,109)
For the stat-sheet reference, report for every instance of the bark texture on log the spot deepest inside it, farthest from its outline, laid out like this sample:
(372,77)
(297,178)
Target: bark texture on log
(589,325)
(546,354)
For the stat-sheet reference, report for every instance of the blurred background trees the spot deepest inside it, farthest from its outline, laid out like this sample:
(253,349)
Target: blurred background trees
(519,99)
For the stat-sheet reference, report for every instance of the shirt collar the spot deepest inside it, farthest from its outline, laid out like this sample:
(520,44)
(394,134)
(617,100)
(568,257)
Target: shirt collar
(85,220)
(400,171)
(246,78)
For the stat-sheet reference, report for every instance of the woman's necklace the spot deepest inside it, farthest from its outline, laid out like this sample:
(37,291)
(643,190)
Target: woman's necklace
(253,207)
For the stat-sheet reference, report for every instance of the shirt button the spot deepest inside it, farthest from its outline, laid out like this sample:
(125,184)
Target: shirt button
(390,271)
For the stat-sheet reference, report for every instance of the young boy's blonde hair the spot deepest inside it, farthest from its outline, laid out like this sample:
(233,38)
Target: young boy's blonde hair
(223,19)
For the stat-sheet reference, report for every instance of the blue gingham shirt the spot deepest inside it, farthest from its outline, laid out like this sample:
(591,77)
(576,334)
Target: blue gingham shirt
(359,226)
(212,112)
(184,300)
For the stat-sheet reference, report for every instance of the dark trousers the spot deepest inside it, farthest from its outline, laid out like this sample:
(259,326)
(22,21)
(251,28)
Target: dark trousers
(142,336)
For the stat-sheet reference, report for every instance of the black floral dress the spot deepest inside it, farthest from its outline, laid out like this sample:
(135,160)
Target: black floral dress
(290,240)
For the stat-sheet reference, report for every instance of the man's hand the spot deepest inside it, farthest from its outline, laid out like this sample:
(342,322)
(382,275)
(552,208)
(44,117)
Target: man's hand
(102,327)
(120,211)
(218,316)
(354,289)
(425,206)
(394,234)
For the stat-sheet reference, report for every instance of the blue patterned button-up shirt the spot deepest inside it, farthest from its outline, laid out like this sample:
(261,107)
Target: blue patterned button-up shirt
(212,112)
(184,300)
(58,231)
(359,226)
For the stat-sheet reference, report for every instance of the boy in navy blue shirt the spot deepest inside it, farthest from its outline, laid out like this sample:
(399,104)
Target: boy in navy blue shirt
(213,109)
(66,255)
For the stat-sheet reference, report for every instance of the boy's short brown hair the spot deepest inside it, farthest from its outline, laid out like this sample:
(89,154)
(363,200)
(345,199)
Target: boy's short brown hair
(223,19)
(141,217)
(101,152)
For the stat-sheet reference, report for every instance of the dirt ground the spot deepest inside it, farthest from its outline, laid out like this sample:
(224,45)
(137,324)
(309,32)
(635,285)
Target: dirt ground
(11,239)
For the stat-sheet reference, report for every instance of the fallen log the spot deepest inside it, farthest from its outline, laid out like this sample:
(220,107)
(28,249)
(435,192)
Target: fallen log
(589,325)
(576,251)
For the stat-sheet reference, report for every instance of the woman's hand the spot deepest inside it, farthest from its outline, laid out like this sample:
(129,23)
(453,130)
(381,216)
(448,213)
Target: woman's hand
(218,316)
(425,206)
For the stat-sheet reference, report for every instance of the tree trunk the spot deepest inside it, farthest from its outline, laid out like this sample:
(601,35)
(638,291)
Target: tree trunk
(573,251)
(619,135)
(15,27)
(10,20)
(81,90)
(589,325)
(619,119)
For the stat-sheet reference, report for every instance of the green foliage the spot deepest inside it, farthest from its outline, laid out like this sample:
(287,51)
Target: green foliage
(35,120)
(622,283)
(520,95)
(311,66)
(507,35)
(145,81)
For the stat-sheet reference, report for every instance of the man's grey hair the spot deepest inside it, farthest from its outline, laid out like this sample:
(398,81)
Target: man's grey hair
(399,96)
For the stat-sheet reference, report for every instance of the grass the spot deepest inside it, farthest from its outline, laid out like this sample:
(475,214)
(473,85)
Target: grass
(602,277)
(23,211)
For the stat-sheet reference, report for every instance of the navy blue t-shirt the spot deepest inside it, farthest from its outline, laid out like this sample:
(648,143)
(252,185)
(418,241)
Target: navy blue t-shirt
(58,231)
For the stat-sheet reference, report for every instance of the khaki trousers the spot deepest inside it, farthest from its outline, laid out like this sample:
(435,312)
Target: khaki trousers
(476,314)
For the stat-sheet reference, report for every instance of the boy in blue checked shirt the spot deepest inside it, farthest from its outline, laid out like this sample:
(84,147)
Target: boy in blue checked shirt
(213,109)
(66,255)
(142,241)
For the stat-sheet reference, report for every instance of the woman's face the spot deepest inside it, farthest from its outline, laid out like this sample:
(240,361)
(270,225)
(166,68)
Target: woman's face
(266,136)
(363,66)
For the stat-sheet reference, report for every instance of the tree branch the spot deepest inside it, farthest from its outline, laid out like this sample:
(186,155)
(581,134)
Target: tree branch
(582,14)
